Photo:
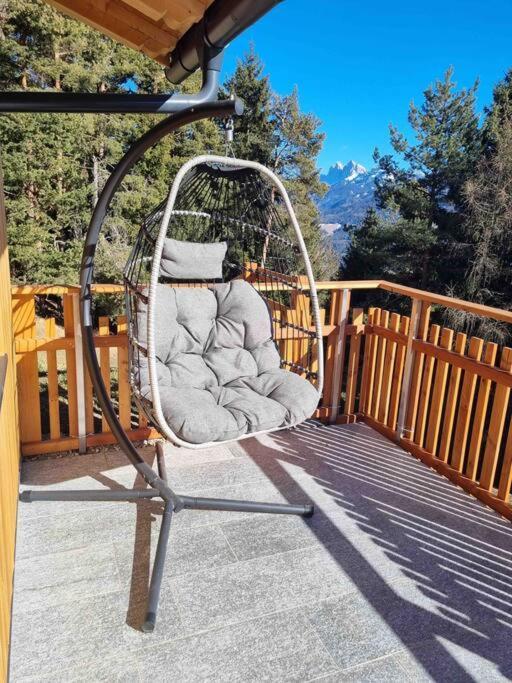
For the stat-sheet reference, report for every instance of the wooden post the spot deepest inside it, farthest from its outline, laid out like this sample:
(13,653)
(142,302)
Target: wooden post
(381,344)
(404,430)
(387,373)
(52,377)
(438,394)
(72,390)
(484,392)
(496,426)
(367,365)
(123,379)
(339,355)
(353,362)
(103,331)
(27,370)
(80,377)
(398,373)
(425,389)
(465,411)
(452,398)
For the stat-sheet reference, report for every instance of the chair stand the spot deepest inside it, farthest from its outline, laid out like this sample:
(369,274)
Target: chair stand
(177,504)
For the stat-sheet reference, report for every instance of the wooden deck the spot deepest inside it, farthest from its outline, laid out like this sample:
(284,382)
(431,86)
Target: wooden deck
(399,576)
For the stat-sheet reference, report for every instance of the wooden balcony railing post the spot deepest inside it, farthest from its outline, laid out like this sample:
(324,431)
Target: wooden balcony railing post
(403,430)
(80,377)
(27,371)
(104,331)
(339,353)
(353,363)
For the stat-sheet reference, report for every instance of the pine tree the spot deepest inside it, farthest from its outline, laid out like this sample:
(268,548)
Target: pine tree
(55,165)
(253,132)
(275,132)
(387,249)
(499,114)
(424,183)
(488,217)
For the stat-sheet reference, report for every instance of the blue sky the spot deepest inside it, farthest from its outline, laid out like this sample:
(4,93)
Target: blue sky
(358,64)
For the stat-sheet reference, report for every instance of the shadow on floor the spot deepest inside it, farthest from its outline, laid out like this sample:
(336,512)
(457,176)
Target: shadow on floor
(456,552)
(434,564)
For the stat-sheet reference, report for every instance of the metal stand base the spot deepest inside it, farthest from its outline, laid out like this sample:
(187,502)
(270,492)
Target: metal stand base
(177,504)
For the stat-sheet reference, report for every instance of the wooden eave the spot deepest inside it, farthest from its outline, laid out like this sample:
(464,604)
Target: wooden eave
(149,26)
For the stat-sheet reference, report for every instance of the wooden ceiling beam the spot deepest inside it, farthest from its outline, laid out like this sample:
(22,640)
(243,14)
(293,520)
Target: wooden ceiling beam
(176,14)
(150,26)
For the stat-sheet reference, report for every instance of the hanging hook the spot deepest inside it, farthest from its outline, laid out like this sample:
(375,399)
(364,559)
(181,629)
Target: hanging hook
(229,128)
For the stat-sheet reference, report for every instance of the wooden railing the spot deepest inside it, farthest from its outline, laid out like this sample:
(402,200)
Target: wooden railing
(443,396)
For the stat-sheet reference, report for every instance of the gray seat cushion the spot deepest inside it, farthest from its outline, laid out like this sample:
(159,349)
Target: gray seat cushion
(218,368)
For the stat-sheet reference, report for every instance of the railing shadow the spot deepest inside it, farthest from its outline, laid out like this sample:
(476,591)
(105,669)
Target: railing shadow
(449,558)
(448,571)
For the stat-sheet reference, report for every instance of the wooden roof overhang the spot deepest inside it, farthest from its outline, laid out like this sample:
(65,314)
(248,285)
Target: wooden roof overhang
(182,35)
(149,26)
(166,30)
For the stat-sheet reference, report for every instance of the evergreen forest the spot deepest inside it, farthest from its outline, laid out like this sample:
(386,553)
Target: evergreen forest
(445,194)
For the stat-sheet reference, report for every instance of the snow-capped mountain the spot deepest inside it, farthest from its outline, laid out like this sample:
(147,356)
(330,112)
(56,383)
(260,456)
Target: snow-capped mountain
(339,172)
(350,195)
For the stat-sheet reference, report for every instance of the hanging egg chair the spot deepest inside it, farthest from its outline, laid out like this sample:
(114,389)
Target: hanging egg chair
(223,320)
(224,328)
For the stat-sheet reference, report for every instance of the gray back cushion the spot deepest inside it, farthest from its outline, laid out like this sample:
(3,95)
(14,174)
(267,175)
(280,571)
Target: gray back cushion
(192,260)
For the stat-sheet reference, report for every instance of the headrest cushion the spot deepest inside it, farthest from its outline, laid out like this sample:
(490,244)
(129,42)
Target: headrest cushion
(192,260)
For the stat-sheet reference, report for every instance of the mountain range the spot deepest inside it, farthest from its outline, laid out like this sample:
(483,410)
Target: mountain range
(351,193)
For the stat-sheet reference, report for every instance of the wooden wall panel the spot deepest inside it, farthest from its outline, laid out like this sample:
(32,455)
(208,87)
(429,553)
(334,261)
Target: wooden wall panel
(9,447)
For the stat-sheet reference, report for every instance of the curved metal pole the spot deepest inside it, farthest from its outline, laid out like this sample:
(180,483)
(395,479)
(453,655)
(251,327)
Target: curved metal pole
(219,109)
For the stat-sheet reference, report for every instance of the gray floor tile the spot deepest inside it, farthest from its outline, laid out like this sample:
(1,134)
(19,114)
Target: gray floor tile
(281,647)
(124,669)
(184,457)
(117,459)
(383,576)
(68,508)
(214,469)
(259,586)
(261,490)
(49,580)
(212,475)
(385,670)
(175,457)
(190,550)
(377,621)
(259,535)
(77,472)
(50,534)
(50,640)
(57,470)
(352,630)
(132,611)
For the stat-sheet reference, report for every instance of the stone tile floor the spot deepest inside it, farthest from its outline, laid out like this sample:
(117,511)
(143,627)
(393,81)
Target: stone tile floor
(399,576)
